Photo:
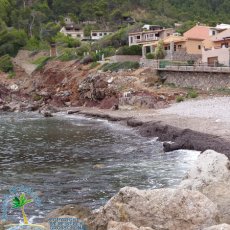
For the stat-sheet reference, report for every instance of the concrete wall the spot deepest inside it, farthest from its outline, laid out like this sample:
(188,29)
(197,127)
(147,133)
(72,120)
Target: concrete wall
(223,55)
(199,80)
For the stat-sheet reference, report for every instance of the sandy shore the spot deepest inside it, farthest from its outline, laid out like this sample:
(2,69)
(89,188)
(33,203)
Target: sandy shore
(207,120)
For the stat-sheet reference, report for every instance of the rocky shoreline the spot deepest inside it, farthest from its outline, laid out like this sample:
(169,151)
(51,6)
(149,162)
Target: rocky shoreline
(174,138)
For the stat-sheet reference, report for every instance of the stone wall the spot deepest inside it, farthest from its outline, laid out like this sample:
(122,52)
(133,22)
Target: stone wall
(148,63)
(124,58)
(182,56)
(199,80)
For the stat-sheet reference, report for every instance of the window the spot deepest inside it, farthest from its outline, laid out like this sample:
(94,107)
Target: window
(105,33)
(100,34)
(168,34)
(179,46)
(213,32)
(94,34)
(199,47)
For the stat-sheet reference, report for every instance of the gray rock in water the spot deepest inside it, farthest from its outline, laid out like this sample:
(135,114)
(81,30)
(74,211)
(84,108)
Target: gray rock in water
(161,209)
(46,113)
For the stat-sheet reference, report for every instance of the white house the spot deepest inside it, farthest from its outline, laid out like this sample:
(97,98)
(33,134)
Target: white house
(149,34)
(98,34)
(73,31)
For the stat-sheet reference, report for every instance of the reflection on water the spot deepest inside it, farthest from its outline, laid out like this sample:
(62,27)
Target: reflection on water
(71,159)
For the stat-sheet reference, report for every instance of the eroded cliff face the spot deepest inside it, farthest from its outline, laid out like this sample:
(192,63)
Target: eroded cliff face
(71,83)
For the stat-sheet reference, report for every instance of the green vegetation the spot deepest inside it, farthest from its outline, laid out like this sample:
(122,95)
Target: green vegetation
(34,24)
(130,50)
(6,64)
(20,203)
(179,99)
(114,67)
(43,62)
(192,94)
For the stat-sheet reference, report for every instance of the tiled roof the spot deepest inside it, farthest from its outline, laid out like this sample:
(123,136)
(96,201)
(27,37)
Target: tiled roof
(198,33)
(174,38)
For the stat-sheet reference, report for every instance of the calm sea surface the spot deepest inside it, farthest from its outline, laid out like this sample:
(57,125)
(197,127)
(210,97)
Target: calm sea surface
(76,160)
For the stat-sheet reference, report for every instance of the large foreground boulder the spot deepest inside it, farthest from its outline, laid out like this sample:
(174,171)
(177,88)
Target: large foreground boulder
(211,176)
(168,209)
(219,227)
(113,225)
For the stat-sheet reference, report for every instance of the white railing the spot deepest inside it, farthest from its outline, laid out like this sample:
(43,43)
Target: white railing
(195,68)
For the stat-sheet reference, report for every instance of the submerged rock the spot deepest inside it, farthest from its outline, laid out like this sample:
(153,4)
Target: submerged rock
(172,209)
(211,176)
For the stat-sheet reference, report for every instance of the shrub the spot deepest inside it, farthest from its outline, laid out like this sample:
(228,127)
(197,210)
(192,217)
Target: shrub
(6,64)
(130,50)
(114,67)
(191,62)
(150,56)
(179,99)
(192,94)
(11,75)
(11,41)
(34,44)
(67,41)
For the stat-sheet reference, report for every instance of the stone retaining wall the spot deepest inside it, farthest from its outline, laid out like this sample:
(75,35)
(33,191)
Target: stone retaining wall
(124,58)
(199,80)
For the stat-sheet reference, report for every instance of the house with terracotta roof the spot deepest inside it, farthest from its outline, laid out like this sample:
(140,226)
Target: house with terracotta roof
(182,48)
(195,36)
(216,49)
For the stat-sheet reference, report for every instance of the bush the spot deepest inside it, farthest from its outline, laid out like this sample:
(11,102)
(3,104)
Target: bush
(191,62)
(150,56)
(67,41)
(130,50)
(192,94)
(6,64)
(179,99)
(114,67)
(11,41)
(34,44)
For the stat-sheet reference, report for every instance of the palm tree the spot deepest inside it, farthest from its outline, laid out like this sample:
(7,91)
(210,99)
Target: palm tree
(20,203)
